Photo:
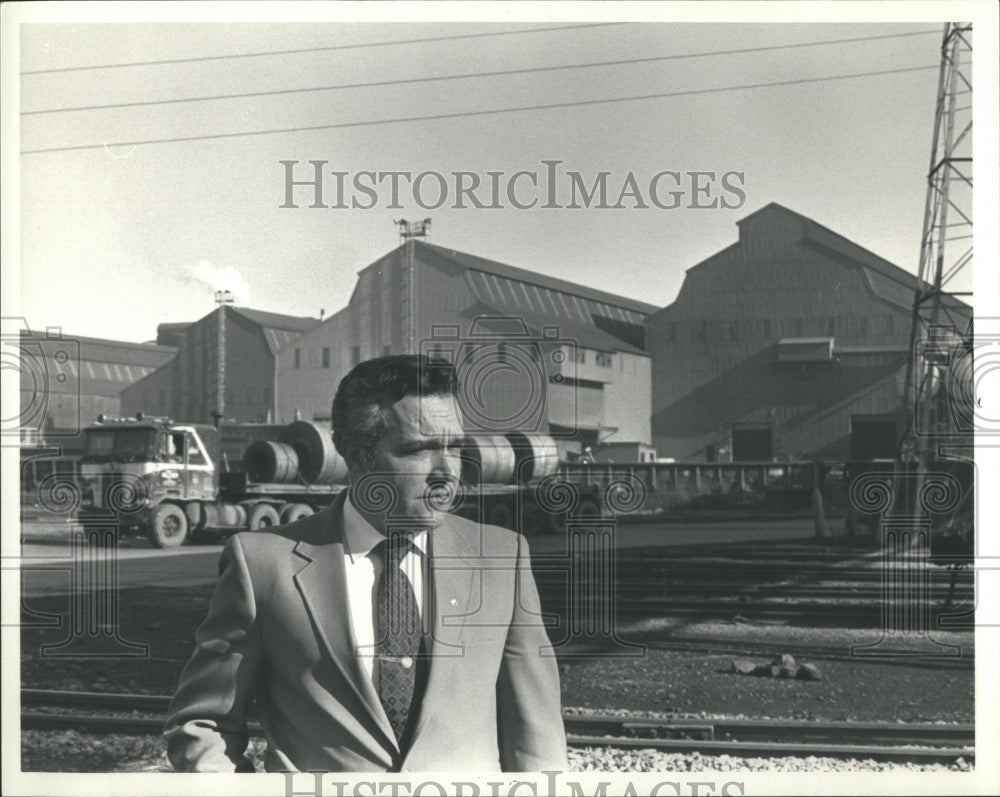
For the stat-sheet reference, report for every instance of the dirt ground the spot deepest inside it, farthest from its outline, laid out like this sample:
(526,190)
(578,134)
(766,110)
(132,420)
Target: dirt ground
(670,675)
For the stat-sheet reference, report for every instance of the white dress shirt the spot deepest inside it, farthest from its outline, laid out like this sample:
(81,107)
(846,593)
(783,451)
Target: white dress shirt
(363,572)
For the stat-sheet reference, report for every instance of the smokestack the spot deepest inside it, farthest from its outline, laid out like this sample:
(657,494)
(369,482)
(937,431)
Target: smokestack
(221,280)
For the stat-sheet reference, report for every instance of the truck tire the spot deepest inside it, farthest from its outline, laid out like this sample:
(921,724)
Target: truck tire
(262,516)
(294,512)
(168,527)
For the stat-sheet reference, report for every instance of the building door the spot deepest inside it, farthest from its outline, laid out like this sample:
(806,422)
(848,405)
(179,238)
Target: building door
(873,437)
(752,442)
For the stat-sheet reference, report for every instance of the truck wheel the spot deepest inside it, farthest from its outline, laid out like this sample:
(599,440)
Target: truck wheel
(168,527)
(294,512)
(262,516)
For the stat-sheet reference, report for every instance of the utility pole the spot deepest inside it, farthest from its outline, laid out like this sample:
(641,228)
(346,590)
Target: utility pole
(408,230)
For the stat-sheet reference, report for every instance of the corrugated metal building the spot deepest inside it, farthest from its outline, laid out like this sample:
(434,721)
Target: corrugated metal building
(535,353)
(66,381)
(791,342)
(187,387)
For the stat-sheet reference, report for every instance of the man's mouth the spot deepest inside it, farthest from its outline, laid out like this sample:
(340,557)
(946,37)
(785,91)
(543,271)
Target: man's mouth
(442,495)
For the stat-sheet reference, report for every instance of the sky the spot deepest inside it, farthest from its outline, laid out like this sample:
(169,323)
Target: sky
(117,239)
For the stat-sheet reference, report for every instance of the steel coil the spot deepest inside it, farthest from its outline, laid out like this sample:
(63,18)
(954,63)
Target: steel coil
(267,461)
(536,455)
(487,459)
(319,462)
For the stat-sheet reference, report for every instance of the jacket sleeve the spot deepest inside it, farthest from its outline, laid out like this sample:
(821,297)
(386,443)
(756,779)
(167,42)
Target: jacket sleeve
(206,726)
(530,724)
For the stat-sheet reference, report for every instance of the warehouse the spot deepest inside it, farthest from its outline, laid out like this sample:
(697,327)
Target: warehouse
(792,342)
(67,380)
(187,387)
(536,353)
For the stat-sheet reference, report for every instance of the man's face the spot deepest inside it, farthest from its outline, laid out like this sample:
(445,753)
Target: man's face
(420,455)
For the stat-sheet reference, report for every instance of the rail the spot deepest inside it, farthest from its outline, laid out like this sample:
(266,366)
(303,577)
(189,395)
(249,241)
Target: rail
(742,737)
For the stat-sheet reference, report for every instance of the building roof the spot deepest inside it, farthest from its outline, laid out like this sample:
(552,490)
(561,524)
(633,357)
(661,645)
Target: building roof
(586,336)
(886,280)
(279,330)
(88,366)
(511,278)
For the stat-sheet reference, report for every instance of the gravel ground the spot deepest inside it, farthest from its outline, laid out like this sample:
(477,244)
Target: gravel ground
(70,751)
(667,681)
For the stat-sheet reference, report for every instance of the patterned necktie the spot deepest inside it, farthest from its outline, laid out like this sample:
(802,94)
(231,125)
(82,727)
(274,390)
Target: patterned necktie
(399,633)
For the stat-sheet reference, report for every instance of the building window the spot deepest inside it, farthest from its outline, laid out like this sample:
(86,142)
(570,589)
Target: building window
(326,356)
(581,356)
(355,355)
(603,359)
(298,358)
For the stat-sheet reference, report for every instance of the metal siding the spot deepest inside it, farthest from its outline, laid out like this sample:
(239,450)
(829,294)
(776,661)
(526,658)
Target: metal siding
(700,387)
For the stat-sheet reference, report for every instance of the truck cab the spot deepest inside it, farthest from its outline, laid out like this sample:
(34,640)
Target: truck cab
(138,474)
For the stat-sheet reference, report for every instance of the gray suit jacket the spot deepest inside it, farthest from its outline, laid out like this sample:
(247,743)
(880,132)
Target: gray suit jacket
(278,632)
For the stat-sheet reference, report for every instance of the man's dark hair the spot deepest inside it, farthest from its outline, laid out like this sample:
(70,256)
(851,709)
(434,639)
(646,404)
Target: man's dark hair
(358,416)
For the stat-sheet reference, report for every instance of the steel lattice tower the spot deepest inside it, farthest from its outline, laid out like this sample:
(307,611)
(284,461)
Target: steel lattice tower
(941,325)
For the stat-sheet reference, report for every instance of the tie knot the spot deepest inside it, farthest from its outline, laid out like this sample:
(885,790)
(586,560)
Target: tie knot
(394,547)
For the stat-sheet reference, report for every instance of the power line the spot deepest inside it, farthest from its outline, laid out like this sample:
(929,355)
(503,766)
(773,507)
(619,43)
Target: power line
(321,49)
(500,73)
(487,112)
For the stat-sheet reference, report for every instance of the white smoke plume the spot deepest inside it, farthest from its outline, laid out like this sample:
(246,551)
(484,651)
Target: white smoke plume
(226,278)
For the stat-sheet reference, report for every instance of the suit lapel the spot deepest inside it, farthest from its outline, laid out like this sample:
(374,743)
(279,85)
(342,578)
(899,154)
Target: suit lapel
(453,576)
(322,584)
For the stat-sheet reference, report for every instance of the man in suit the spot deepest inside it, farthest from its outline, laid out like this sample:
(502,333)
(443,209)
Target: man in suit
(382,633)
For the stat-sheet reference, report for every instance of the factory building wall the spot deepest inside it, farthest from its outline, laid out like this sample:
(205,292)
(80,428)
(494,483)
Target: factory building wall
(376,322)
(716,354)
(67,381)
(186,389)
(311,367)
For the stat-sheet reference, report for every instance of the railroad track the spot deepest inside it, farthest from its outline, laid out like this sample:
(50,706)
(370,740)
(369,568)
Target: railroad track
(926,742)
(806,587)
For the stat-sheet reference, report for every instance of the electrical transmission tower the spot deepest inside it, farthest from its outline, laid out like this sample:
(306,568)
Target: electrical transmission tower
(939,366)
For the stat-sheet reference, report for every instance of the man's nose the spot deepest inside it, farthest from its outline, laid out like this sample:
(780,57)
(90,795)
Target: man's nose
(448,464)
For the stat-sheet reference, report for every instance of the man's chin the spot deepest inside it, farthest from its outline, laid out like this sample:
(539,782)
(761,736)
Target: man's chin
(422,517)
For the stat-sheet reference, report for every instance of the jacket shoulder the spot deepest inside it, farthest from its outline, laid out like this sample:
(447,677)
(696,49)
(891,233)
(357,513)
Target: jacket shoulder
(490,540)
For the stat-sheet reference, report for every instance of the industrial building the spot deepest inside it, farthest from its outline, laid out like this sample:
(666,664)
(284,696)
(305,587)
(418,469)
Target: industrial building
(66,381)
(791,342)
(187,387)
(534,353)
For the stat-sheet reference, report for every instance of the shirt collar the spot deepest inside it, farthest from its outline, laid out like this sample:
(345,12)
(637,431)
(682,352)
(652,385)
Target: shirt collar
(361,536)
